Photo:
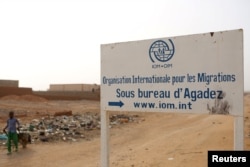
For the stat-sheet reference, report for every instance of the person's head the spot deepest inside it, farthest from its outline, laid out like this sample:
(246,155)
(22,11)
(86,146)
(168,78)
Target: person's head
(11,114)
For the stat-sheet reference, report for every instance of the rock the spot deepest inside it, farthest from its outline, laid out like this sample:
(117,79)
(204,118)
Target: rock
(44,138)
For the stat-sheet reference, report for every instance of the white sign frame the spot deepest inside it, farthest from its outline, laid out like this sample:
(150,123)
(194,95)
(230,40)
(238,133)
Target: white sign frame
(214,84)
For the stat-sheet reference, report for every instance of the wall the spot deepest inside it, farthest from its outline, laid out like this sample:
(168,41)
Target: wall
(5,91)
(68,95)
(9,83)
(75,87)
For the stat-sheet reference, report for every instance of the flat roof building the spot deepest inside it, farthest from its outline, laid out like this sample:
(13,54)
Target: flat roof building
(74,87)
(9,83)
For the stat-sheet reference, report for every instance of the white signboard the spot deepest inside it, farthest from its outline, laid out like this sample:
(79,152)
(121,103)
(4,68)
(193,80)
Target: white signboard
(200,73)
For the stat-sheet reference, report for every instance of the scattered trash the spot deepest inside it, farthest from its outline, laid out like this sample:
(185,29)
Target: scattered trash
(69,127)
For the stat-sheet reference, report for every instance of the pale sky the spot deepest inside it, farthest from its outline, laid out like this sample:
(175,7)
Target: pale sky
(45,42)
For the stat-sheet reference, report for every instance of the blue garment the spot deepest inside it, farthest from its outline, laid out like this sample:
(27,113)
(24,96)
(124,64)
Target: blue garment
(11,123)
(3,137)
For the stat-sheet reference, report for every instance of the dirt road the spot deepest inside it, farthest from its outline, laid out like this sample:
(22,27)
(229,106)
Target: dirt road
(159,140)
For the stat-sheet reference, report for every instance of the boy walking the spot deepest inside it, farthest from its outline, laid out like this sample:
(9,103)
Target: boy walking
(12,126)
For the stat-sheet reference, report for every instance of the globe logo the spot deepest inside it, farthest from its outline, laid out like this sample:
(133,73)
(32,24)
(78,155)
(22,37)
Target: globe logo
(161,51)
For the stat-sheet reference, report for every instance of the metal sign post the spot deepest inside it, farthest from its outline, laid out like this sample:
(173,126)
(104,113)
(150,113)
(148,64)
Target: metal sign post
(238,133)
(104,138)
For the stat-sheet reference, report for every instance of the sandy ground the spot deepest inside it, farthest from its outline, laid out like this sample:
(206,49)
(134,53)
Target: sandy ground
(159,140)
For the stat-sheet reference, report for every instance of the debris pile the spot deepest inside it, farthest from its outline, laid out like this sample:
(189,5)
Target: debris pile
(61,128)
(122,118)
(69,128)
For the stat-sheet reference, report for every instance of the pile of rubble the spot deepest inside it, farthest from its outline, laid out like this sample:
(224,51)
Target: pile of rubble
(69,127)
(60,128)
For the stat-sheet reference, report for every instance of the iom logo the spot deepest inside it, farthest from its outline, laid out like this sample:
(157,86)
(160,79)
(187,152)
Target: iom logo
(161,51)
